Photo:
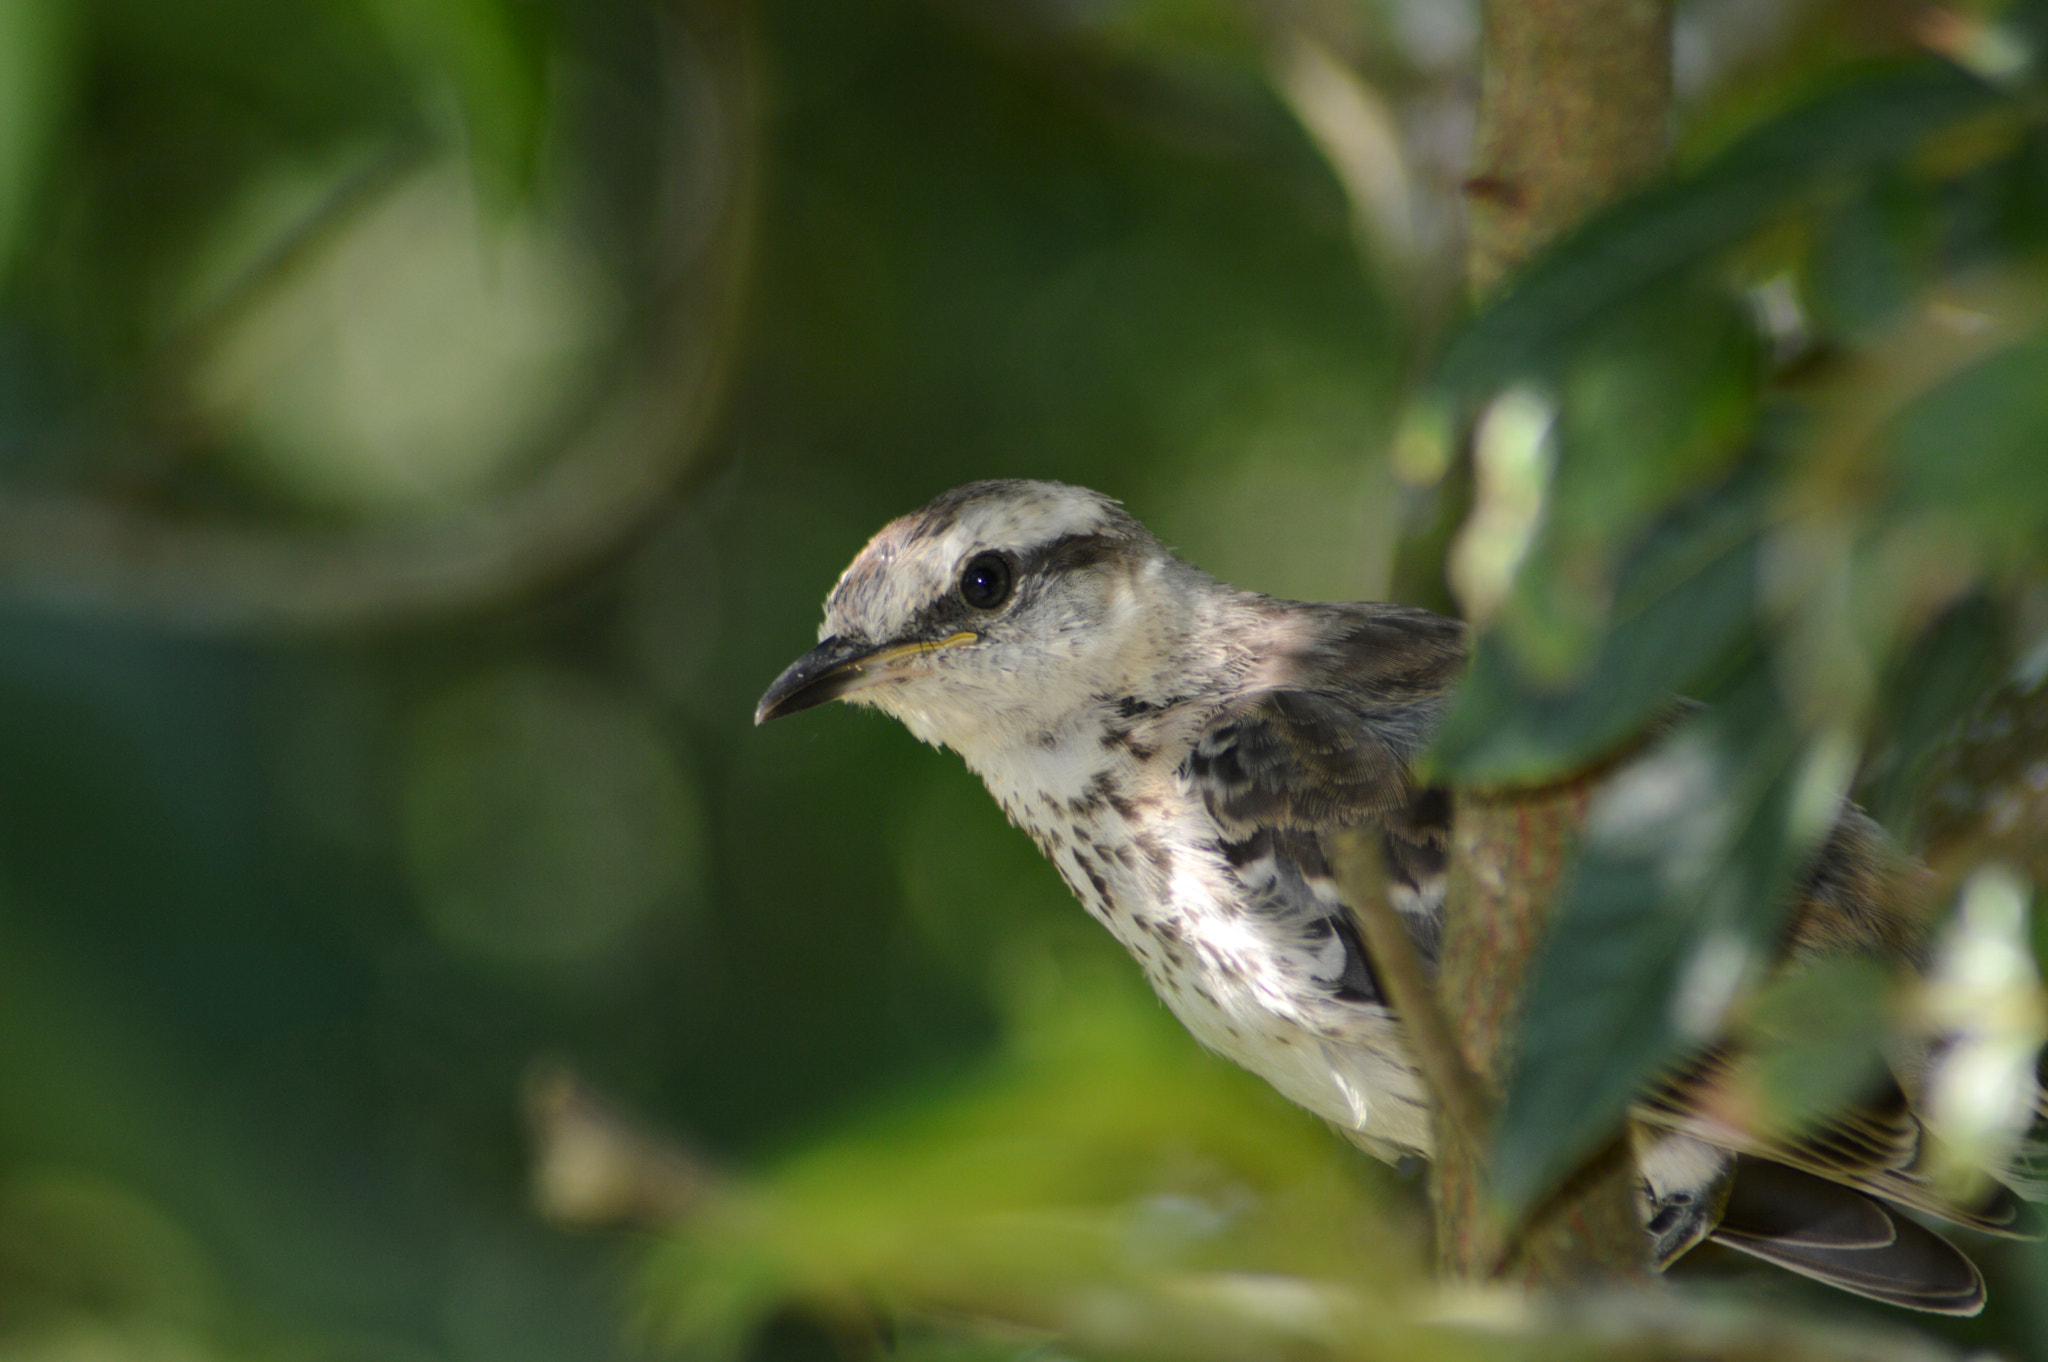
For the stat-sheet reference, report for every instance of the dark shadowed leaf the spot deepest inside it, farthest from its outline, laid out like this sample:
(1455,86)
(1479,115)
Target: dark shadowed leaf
(1973,448)
(1935,685)
(1677,894)
(1869,257)
(1653,407)
(1876,117)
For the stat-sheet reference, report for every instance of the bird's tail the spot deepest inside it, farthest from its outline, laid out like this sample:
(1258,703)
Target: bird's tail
(1837,1235)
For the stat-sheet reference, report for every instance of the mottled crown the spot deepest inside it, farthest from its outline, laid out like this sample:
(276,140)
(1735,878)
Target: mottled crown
(914,559)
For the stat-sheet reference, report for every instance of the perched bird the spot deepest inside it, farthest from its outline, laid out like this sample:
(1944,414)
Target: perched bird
(1182,750)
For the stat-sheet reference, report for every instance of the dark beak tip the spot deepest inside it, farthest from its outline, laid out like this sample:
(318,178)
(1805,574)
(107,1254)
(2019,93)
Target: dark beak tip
(821,675)
(780,703)
(775,704)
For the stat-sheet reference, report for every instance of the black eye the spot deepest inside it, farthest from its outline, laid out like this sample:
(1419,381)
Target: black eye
(985,581)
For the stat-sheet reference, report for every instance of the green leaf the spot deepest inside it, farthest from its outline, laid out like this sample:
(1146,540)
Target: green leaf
(1101,1156)
(1871,258)
(1683,616)
(1678,893)
(1877,116)
(1654,407)
(1936,683)
(1973,449)
(1813,1041)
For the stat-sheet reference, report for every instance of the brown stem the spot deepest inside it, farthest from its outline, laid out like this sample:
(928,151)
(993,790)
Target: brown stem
(1411,992)
(1574,100)
(1509,854)
(1465,1103)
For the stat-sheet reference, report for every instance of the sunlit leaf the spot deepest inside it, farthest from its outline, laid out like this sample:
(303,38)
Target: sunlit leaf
(1982,995)
(1104,1158)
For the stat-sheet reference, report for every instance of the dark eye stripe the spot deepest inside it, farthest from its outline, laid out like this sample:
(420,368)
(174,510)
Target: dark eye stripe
(1071,553)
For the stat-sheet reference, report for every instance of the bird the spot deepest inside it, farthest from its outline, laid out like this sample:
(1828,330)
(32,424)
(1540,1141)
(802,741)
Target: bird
(1183,752)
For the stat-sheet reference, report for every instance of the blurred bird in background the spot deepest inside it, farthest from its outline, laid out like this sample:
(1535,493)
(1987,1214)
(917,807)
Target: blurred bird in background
(1182,751)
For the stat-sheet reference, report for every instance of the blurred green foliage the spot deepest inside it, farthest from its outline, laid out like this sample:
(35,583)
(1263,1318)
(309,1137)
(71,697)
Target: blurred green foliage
(425,427)
(1880,478)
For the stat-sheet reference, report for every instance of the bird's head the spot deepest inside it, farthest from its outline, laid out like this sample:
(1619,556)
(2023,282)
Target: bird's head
(989,615)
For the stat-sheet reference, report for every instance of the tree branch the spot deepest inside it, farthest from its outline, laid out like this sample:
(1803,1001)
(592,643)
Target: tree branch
(1509,855)
(1574,98)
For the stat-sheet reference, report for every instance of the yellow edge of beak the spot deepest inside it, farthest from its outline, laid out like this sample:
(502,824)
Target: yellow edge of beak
(912,649)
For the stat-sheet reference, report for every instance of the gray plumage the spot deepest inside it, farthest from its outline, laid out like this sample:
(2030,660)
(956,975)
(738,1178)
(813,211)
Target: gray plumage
(1179,750)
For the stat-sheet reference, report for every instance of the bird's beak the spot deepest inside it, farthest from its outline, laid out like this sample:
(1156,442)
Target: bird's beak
(840,666)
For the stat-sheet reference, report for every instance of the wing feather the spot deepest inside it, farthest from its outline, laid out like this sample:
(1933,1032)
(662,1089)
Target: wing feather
(1330,747)
(1330,744)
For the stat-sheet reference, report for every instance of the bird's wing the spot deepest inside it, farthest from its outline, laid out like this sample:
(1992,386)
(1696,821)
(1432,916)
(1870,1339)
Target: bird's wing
(1331,745)
(1279,767)
(1287,879)
(1356,694)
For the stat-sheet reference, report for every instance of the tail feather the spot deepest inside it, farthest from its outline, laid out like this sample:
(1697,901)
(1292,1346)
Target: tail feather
(1769,1201)
(1919,1271)
(1836,1235)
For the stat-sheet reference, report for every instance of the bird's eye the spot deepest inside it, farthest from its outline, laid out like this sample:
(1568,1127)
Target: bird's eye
(985,581)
